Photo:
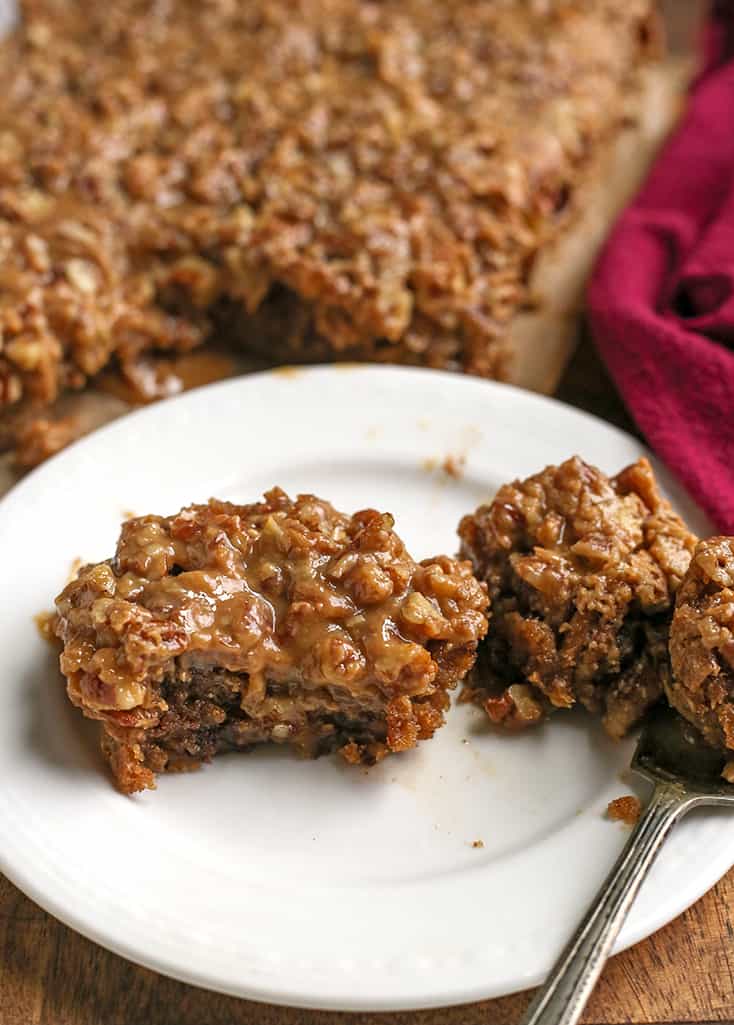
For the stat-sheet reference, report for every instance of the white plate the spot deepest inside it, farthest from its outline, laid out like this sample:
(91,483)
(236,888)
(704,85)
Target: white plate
(318,884)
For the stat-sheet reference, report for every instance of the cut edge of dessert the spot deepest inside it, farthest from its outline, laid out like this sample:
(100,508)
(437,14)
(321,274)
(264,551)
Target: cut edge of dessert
(227,626)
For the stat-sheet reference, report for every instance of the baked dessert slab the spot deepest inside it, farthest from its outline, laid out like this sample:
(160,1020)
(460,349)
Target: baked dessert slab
(319,180)
(541,337)
(285,621)
(582,571)
(701,687)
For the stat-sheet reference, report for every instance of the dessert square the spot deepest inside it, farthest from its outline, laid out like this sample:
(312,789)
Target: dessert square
(582,571)
(227,626)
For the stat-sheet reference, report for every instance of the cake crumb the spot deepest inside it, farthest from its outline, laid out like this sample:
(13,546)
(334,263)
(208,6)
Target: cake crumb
(288,371)
(625,809)
(453,466)
(477,843)
(128,514)
(44,622)
(728,771)
(429,464)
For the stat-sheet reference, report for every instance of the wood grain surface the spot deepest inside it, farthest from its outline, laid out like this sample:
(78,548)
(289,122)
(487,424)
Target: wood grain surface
(49,975)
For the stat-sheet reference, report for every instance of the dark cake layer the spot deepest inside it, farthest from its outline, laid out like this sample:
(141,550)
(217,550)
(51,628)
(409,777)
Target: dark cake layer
(205,716)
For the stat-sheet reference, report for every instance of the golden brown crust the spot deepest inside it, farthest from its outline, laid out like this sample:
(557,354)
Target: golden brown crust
(702,643)
(227,626)
(582,571)
(322,178)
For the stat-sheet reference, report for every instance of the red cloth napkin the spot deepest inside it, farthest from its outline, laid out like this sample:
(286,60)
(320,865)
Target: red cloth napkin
(661,299)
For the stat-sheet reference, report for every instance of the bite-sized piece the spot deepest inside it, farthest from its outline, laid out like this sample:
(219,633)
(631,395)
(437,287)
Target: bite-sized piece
(582,571)
(702,643)
(227,626)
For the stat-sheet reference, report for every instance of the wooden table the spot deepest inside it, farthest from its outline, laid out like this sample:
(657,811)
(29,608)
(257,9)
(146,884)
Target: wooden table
(51,976)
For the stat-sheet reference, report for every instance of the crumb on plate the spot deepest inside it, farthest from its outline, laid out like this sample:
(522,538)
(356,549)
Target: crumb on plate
(44,622)
(625,809)
(453,466)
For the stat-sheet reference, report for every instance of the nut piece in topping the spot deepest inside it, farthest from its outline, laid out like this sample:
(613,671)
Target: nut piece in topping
(227,626)
(582,571)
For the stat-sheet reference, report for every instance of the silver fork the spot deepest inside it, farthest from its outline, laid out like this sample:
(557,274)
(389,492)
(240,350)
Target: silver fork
(686,774)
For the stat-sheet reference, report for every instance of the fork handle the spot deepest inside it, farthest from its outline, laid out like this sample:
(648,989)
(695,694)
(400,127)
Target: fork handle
(561,1000)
